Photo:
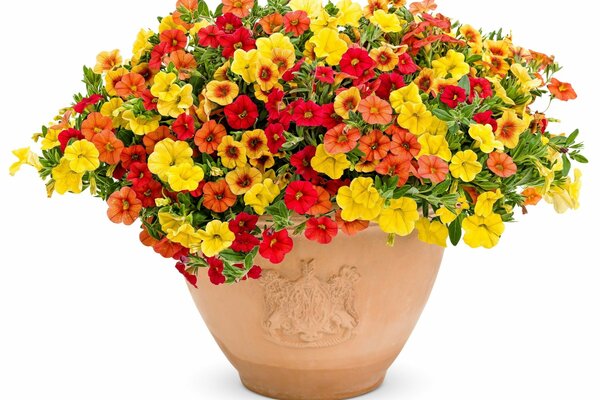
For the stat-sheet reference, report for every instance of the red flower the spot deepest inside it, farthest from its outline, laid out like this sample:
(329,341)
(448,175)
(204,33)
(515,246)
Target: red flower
(65,136)
(242,113)
(159,52)
(191,278)
(321,230)
(215,271)
(480,87)
(330,118)
(334,185)
(85,102)
(209,36)
(433,168)
(301,161)
(275,137)
(356,61)
(485,118)
(148,192)
(184,127)
(290,74)
(129,155)
(228,22)
(150,102)
(307,113)
(254,273)
(453,95)
(240,39)
(275,245)
(275,102)
(296,22)
(403,142)
(174,40)
(388,83)
(244,242)
(406,65)
(300,196)
(325,75)
(243,223)
(139,174)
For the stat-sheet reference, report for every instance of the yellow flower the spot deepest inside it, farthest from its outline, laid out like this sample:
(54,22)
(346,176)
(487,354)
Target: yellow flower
(483,231)
(407,94)
(415,117)
(510,128)
(486,201)
(242,179)
(434,146)
(176,101)
(279,49)
(311,7)
(255,143)
(400,217)
(267,74)
(331,165)
(141,44)
(141,124)
(168,23)
(360,200)
(168,153)
(346,101)
(453,63)
(349,13)
(464,165)
(113,109)
(500,91)
(432,232)
(185,177)
(387,22)
(446,216)
(232,153)
(216,237)
(323,21)
(244,64)
(222,92)
(526,81)
(163,82)
(566,196)
(186,236)
(170,222)
(261,195)
(484,136)
(221,72)
(473,37)
(385,58)
(111,78)
(328,45)
(50,141)
(65,179)
(107,60)
(82,156)
(24,156)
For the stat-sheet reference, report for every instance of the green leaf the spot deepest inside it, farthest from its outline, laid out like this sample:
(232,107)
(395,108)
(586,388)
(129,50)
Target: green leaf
(566,165)
(203,9)
(442,188)
(455,231)
(443,115)
(465,83)
(572,137)
(579,158)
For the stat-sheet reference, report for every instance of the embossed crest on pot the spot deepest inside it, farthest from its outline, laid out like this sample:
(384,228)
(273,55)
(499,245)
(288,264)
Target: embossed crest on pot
(310,311)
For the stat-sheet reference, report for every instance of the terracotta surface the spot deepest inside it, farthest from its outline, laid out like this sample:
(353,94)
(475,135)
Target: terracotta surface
(329,321)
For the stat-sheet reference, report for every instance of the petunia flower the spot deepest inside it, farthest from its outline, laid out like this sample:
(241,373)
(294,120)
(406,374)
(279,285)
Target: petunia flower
(296,22)
(275,137)
(209,36)
(433,168)
(375,111)
(228,22)
(325,75)
(221,92)
(300,196)
(307,113)
(399,217)
(510,127)
(329,164)
(82,156)
(395,165)
(109,147)
(239,39)
(403,142)
(346,101)
(209,136)
(216,237)
(275,245)
(483,231)
(232,153)
(184,127)
(501,164)
(321,230)
(341,139)
(452,95)
(173,39)
(406,64)
(464,165)
(123,206)
(243,223)
(239,8)
(356,61)
(217,196)
(242,113)
(301,161)
(261,195)
(562,90)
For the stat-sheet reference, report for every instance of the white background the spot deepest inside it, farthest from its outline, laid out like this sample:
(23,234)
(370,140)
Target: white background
(86,312)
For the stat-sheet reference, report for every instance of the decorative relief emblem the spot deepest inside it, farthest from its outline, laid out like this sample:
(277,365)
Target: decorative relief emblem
(308,311)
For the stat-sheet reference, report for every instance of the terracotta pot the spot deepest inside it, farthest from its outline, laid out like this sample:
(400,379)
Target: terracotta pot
(329,321)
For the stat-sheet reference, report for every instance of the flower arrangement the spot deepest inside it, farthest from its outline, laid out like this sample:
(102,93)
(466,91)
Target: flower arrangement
(224,125)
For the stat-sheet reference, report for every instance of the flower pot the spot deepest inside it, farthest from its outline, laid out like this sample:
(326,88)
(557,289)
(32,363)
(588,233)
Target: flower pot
(329,321)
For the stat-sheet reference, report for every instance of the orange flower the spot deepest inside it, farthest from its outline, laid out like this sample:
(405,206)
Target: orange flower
(264,162)
(107,60)
(242,179)
(94,124)
(375,111)
(109,147)
(222,92)
(399,166)
(424,6)
(532,196)
(323,204)
(350,228)
(272,23)
(239,8)
(374,5)
(131,84)
(403,142)
(341,139)
(375,145)
(209,137)
(562,90)
(501,164)
(385,58)
(184,63)
(217,196)
(497,65)
(123,206)
(150,139)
